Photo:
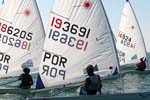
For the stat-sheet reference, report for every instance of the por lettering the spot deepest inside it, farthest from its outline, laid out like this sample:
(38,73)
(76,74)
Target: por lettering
(55,59)
(4,58)
(53,72)
(4,68)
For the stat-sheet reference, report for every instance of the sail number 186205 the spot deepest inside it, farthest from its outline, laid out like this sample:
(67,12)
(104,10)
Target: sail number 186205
(68,27)
(15,37)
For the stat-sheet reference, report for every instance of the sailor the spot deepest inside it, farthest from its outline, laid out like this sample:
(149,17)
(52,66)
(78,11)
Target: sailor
(92,84)
(142,65)
(26,79)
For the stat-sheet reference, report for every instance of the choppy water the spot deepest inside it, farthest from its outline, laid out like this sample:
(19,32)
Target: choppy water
(133,82)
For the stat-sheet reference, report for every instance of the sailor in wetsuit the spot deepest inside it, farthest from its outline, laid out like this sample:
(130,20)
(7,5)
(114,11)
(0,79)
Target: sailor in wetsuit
(26,79)
(92,84)
(142,65)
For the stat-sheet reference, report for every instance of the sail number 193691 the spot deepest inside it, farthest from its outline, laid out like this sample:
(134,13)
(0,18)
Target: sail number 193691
(67,27)
(71,34)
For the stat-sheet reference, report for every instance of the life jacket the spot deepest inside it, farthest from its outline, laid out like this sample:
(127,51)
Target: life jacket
(95,82)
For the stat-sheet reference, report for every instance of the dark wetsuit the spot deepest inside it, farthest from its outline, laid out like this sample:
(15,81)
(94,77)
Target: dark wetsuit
(26,81)
(93,85)
(141,66)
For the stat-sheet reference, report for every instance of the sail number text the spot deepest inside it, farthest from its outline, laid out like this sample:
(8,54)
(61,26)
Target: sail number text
(126,40)
(4,62)
(70,34)
(56,66)
(121,56)
(15,37)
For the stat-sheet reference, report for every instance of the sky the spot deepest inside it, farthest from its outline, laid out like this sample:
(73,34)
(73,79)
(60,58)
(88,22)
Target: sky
(113,10)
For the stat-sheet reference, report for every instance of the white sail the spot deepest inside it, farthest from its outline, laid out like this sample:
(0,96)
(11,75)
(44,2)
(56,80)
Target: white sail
(21,36)
(78,34)
(130,42)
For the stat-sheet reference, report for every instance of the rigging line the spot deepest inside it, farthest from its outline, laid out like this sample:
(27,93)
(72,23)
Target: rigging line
(31,26)
(6,20)
(9,82)
(33,71)
(9,77)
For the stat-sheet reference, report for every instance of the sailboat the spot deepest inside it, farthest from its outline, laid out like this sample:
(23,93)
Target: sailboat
(78,34)
(130,41)
(21,37)
(63,63)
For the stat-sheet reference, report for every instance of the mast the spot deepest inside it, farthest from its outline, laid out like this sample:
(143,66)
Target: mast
(115,50)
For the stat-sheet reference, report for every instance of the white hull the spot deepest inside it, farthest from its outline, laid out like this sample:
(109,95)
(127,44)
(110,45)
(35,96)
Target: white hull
(127,96)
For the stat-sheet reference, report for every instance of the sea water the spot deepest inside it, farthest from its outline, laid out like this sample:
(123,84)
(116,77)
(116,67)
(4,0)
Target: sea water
(133,82)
